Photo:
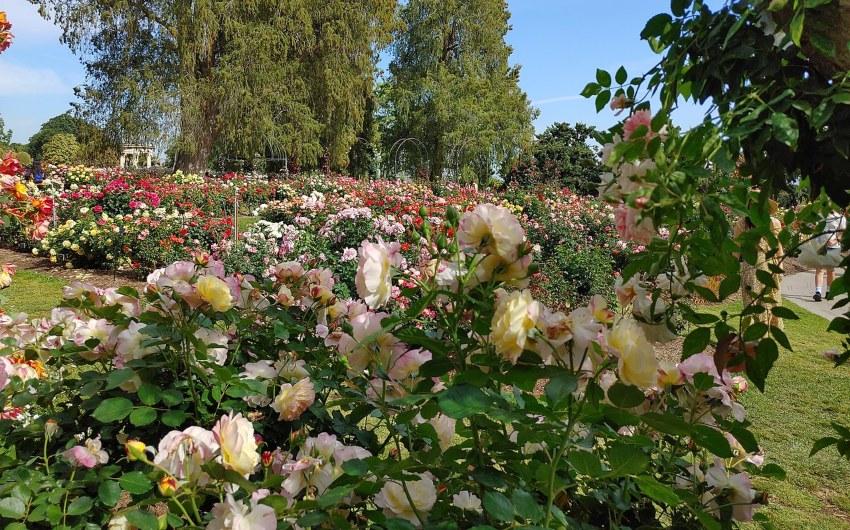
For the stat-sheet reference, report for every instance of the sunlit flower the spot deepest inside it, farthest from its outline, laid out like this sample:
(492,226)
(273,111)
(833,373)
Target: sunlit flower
(293,400)
(88,455)
(236,515)
(215,292)
(515,317)
(393,499)
(373,279)
(235,437)
(637,364)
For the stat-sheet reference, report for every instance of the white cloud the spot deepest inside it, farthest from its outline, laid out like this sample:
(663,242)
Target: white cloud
(556,99)
(27,22)
(20,80)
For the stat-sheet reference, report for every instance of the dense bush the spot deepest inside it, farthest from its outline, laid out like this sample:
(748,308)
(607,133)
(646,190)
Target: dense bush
(61,148)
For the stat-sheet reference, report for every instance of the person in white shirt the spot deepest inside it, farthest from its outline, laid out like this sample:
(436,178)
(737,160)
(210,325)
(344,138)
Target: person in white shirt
(823,253)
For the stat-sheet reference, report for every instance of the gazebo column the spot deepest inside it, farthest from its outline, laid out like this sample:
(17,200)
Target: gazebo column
(123,161)
(148,159)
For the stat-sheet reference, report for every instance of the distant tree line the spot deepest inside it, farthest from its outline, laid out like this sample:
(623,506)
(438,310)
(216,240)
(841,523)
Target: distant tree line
(299,81)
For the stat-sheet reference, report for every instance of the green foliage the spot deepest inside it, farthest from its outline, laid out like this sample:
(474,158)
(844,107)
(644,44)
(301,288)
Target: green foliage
(577,274)
(61,148)
(452,100)
(5,135)
(562,156)
(244,78)
(63,123)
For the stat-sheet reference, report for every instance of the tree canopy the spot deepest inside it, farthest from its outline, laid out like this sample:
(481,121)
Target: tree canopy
(452,91)
(284,77)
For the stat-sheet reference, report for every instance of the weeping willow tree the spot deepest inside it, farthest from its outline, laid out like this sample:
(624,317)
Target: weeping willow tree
(255,76)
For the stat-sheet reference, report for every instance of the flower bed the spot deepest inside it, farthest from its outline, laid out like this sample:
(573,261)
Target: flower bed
(237,401)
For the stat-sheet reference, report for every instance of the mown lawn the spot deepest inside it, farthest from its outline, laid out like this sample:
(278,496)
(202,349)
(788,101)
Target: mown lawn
(804,393)
(33,293)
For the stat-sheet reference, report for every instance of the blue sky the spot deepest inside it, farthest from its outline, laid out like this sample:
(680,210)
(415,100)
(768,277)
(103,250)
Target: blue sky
(559,44)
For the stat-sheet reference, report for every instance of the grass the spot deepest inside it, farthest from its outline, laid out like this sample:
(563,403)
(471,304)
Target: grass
(245,222)
(33,293)
(803,394)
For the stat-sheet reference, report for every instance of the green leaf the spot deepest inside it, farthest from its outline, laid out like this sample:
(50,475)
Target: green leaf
(172,397)
(784,312)
(312,519)
(142,416)
(356,467)
(603,78)
(823,43)
(526,507)
(109,492)
(602,99)
(399,524)
(591,89)
(12,508)
(585,463)
(462,401)
(678,7)
(498,506)
(149,394)
(785,129)
(113,409)
(626,459)
(625,396)
(118,377)
(143,520)
(621,76)
(797,26)
(666,423)
(713,440)
(80,505)
(657,491)
(759,367)
(696,341)
(656,26)
(777,5)
(174,418)
(560,388)
(136,482)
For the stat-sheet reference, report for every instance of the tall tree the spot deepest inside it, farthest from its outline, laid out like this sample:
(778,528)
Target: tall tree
(63,123)
(5,134)
(234,78)
(564,156)
(452,90)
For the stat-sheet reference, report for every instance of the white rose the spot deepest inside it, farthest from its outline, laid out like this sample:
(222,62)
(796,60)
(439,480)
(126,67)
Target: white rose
(393,499)
(467,501)
(373,281)
(494,228)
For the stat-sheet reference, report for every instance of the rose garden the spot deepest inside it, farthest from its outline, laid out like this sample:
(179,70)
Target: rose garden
(318,347)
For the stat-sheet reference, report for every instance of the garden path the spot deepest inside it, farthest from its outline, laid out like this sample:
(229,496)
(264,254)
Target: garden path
(799,288)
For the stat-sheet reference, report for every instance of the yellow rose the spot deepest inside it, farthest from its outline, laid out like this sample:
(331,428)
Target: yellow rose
(516,315)
(235,437)
(637,363)
(215,292)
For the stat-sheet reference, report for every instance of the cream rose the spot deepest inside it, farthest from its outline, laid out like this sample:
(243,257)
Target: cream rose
(293,400)
(493,228)
(516,316)
(393,499)
(235,437)
(373,279)
(215,292)
(637,363)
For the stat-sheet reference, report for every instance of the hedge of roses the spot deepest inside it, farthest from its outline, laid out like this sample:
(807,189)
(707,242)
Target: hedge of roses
(214,400)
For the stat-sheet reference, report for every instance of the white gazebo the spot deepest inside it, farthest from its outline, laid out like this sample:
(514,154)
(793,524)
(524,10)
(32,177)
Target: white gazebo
(131,155)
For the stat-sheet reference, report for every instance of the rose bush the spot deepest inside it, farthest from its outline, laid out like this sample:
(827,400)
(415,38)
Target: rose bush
(215,400)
